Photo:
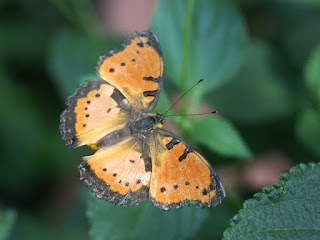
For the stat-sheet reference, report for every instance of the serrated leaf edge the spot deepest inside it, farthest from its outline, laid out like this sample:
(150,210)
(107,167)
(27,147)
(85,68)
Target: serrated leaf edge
(266,191)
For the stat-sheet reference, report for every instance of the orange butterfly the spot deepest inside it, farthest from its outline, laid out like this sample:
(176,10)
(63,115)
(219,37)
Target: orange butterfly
(136,159)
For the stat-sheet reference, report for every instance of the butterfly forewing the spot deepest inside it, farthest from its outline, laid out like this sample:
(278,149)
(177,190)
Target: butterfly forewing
(136,71)
(95,110)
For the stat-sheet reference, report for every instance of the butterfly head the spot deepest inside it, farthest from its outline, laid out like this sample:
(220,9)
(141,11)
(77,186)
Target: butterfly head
(160,120)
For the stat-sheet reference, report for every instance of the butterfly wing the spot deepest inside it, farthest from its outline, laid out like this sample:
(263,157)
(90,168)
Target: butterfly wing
(180,175)
(119,173)
(95,110)
(136,71)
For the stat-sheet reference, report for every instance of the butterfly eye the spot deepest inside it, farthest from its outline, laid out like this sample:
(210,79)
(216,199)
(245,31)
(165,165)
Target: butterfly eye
(163,121)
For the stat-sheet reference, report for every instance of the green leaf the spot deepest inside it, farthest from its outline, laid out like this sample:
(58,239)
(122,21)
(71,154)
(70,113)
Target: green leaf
(259,94)
(312,72)
(308,130)
(217,40)
(219,135)
(108,221)
(7,219)
(288,210)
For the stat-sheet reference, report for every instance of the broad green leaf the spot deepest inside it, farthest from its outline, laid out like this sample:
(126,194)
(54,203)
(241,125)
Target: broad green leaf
(312,72)
(72,56)
(259,93)
(308,130)
(7,219)
(288,210)
(219,135)
(108,221)
(215,44)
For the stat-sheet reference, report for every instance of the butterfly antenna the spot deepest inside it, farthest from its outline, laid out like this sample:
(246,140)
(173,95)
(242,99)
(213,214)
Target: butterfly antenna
(194,114)
(183,96)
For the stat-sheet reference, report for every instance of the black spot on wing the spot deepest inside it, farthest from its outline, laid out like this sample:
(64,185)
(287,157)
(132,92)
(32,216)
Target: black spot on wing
(184,155)
(151,79)
(140,44)
(172,143)
(150,93)
(204,192)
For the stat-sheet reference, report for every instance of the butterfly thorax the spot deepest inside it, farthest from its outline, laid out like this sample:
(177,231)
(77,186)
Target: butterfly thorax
(146,123)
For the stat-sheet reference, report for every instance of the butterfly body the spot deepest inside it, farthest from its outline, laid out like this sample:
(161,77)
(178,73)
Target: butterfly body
(146,123)
(135,159)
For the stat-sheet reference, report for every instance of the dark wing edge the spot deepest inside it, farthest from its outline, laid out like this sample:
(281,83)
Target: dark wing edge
(215,182)
(68,116)
(102,190)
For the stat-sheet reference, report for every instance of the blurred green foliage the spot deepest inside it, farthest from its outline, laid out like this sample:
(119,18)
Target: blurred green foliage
(6,222)
(261,64)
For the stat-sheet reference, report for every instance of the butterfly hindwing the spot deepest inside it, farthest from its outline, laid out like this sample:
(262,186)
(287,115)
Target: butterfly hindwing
(95,110)
(136,71)
(180,175)
(119,173)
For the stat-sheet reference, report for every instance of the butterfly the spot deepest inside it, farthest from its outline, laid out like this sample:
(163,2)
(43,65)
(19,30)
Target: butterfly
(136,159)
